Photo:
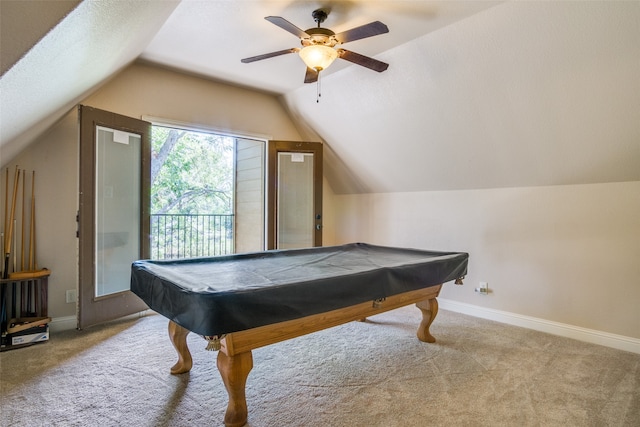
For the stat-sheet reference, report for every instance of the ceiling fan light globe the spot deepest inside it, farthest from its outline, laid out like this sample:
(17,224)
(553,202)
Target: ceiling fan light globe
(318,57)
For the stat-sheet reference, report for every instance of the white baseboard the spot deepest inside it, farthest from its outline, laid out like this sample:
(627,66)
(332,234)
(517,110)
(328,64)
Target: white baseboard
(66,323)
(619,342)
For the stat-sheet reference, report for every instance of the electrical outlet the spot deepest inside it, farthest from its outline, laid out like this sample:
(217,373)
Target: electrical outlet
(72,295)
(483,289)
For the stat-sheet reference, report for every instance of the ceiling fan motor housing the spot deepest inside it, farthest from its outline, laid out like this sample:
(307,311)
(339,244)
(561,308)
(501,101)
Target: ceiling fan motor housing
(321,36)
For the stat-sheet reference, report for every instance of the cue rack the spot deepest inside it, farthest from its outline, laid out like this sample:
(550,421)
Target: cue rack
(23,286)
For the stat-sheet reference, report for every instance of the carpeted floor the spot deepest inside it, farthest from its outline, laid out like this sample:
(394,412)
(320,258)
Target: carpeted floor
(478,373)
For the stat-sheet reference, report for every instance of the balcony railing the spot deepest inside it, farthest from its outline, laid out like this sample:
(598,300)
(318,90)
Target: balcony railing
(184,236)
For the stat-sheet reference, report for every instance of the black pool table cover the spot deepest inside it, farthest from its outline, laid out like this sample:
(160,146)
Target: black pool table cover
(224,294)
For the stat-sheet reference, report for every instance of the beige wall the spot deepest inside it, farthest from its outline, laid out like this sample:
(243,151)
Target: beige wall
(54,158)
(568,254)
(143,90)
(139,90)
(328,213)
(562,253)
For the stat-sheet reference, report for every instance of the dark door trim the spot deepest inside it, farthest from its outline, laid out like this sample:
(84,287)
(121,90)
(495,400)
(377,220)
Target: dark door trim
(274,147)
(92,310)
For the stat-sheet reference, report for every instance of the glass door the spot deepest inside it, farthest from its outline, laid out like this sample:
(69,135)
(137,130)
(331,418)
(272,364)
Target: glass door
(295,221)
(294,195)
(117,208)
(113,215)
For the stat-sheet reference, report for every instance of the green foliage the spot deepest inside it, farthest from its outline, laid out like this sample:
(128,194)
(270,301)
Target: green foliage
(192,172)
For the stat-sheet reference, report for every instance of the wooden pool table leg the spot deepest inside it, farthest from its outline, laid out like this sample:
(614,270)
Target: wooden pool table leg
(234,371)
(429,309)
(178,337)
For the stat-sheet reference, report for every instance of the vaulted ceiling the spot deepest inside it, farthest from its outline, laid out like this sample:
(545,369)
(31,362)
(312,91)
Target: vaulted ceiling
(478,94)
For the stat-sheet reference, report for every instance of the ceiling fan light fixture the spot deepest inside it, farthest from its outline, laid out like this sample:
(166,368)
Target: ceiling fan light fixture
(317,56)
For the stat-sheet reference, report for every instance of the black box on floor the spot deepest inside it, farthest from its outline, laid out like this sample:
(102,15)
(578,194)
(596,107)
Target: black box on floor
(25,337)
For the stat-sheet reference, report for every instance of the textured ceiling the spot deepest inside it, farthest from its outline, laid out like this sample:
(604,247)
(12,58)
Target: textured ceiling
(24,23)
(92,43)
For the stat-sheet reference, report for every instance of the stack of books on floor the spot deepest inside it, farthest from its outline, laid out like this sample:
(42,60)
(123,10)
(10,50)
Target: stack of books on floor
(25,331)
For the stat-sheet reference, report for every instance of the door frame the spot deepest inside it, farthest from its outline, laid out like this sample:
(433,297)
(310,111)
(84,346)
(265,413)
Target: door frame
(93,310)
(275,147)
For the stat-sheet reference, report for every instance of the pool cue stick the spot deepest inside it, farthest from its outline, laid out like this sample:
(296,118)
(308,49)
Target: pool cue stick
(32,230)
(6,216)
(24,181)
(14,285)
(32,273)
(3,290)
(7,244)
(24,287)
(15,245)
(3,307)
(6,201)
(32,236)
(16,311)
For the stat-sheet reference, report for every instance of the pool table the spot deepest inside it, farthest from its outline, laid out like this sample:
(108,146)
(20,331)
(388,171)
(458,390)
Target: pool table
(246,301)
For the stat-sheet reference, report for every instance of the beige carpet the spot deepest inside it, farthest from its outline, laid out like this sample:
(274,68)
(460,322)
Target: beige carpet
(479,373)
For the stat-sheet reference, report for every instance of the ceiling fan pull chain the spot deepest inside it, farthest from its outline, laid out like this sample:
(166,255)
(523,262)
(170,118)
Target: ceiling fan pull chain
(318,94)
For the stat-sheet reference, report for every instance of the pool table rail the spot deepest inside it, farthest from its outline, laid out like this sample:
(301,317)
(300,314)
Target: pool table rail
(239,342)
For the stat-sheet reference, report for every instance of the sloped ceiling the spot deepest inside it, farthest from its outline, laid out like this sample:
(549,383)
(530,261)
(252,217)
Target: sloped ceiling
(522,94)
(92,43)
(210,37)
(24,23)
(477,95)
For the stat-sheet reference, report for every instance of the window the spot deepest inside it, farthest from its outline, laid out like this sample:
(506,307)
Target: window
(207,193)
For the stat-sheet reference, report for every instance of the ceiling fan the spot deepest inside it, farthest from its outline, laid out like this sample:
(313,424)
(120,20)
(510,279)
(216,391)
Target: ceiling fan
(319,50)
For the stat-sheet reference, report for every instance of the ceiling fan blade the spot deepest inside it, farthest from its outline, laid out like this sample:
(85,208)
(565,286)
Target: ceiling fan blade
(368,30)
(365,61)
(311,76)
(268,55)
(287,26)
